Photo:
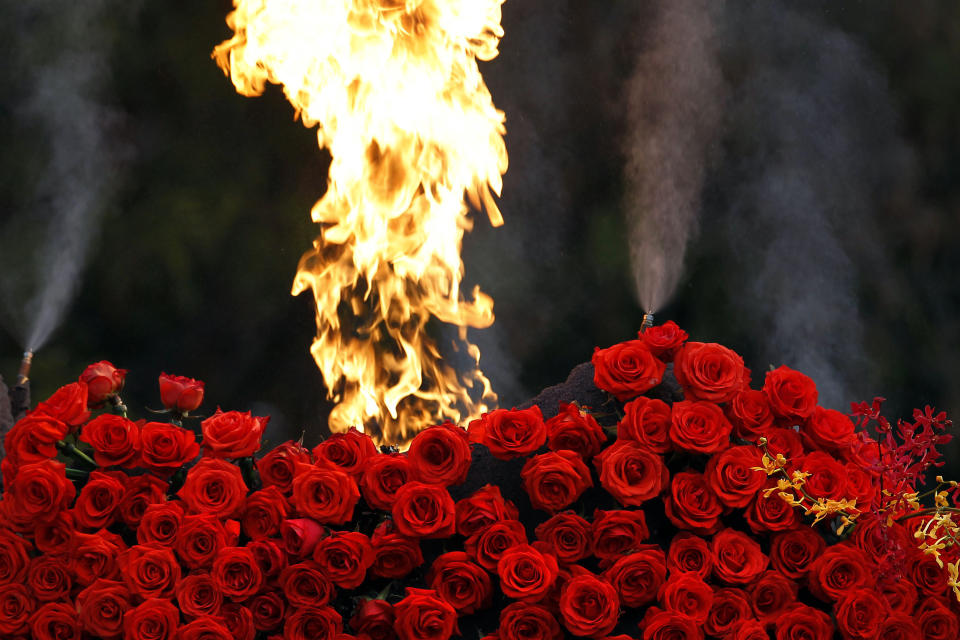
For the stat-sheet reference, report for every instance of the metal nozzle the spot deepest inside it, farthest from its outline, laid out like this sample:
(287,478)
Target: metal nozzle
(24,374)
(647,321)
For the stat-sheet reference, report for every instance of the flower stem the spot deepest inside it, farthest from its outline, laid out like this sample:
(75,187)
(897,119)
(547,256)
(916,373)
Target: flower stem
(71,450)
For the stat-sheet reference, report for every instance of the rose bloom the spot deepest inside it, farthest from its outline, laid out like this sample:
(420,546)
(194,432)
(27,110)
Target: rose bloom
(899,626)
(149,571)
(383,477)
(326,494)
(485,506)
(179,393)
(524,621)
(630,473)
(734,475)
(829,430)
(39,492)
(770,594)
(792,395)
(568,536)
(34,439)
(793,552)
(638,576)
(48,578)
(306,585)
(839,569)
(575,430)
(55,621)
(200,539)
(509,434)
(198,595)
(54,536)
(692,505)
(276,467)
(313,623)
(263,513)
(802,623)
(270,557)
(937,622)
(784,441)
(166,447)
(68,404)
(141,492)
(16,606)
(615,532)
(424,511)
(465,585)
(441,454)
(155,618)
(900,595)
(205,628)
(749,630)
(95,555)
(239,620)
(859,614)
(750,414)
(232,434)
(710,372)
(103,381)
(101,607)
(555,480)
(688,553)
(299,536)
(422,615)
(827,479)
(487,545)
(115,440)
(730,609)
(627,369)
(345,557)
(770,512)
(647,422)
(236,573)
(395,555)
(348,451)
(374,619)
(686,593)
(924,572)
(526,574)
(267,611)
(669,625)
(738,558)
(589,606)
(664,340)
(214,486)
(699,426)
(96,506)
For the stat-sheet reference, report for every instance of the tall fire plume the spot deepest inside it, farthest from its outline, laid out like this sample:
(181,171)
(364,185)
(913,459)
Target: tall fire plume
(395,92)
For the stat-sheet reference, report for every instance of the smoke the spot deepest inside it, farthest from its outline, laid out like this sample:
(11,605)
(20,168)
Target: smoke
(674,103)
(60,51)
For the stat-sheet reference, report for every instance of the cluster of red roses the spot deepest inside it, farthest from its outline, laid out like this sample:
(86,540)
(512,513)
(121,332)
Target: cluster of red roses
(138,540)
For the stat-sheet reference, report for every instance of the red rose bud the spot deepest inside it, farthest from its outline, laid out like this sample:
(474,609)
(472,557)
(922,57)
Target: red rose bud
(179,393)
(67,404)
(300,536)
(664,340)
(103,381)
(232,434)
(374,618)
(792,395)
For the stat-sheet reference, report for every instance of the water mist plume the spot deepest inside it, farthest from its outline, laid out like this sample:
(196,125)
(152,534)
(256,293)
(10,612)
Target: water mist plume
(674,104)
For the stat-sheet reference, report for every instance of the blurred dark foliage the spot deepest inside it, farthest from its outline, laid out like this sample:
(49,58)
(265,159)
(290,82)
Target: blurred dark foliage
(193,265)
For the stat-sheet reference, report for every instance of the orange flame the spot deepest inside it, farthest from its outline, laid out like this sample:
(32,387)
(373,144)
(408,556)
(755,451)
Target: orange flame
(395,92)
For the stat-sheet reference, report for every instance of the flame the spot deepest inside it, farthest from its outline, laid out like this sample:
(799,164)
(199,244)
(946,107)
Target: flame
(395,92)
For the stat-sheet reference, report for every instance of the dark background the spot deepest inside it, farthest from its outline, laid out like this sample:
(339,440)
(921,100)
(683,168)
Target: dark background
(198,239)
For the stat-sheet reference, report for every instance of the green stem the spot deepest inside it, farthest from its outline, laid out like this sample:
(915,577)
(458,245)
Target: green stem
(76,474)
(928,512)
(71,449)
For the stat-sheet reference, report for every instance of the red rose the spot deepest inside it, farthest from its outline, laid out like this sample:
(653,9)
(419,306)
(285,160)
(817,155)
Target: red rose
(827,478)
(16,607)
(465,585)
(638,576)
(205,628)
(67,404)
(749,630)
(669,625)
(487,545)
(770,512)
(630,473)
(306,585)
(149,571)
(589,606)
(901,596)
(576,430)
(771,594)
(101,608)
(526,573)
(326,494)
(646,422)
(141,492)
(899,626)
(737,557)
(626,370)
(729,610)
(49,578)
(615,532)
(924,572)
(395,555)
(690,554)
(39,492)
(422,615)
(300,536)
(214,486)
(270,557)
(345,556)
(153,619)
(200,539)
(348,451)
(97,503)
(937,622)
(524,621)
(239,620)
(441,455)
(13,557)
(793,552)
(424,511)
(555,480)
(55,621)
(374,619)
(838,570)
(263,513)
(804,623)
(734,476)
(829,430)
(878,539)
(861,485)
(710,372)
(686,593)
(198,595)
(232,434)
(383,477)
(236,573)
(166,447)
(509,434)
(664,340)
(103,381)
(313,623)
(33,439)
(699,426)
(859,614)
(179,393)
(692,504)
(568,536)
(792,395)
(276,467)
(485,506)
(54,536)
(784,441)
(95,556)
(750,414)
(115,440)
(267,610)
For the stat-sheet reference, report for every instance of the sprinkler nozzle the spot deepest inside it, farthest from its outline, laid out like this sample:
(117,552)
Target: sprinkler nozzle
(647,321)
(24,374)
